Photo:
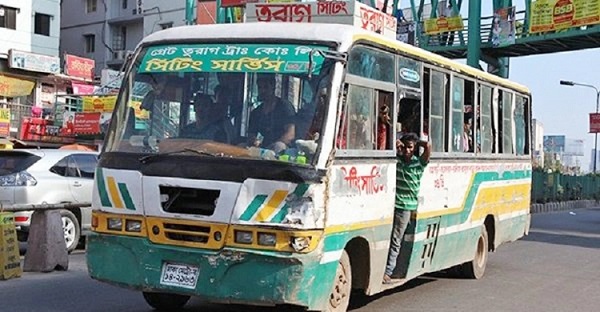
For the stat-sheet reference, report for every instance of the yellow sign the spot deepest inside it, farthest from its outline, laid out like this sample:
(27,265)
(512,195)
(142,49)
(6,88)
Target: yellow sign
(550,15)
(10,263)
(99,104)
(12,87)
(139,112)
(443,24)
(4,123)
(4,114)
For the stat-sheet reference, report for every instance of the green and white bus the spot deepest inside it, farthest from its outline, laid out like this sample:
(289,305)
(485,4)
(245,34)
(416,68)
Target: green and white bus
(230,219)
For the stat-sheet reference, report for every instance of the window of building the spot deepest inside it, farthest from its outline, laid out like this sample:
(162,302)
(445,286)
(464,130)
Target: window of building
(166,25)
(119,38)
(124,4)
(42,24)
(91,6)
(8,17)
(90,43)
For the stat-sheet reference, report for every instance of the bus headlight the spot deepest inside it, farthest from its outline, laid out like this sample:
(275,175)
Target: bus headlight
(115,224)
(243,237)
(267,239)
(300,243)
(133,226)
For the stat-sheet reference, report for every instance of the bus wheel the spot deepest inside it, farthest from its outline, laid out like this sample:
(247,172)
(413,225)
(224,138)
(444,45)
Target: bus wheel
(165,302)
(475,268)
(339,298)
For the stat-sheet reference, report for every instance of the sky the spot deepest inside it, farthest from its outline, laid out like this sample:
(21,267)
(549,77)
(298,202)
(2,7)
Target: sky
(561,109)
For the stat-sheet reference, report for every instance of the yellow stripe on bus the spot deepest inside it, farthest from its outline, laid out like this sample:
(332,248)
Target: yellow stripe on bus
(271,205)
(500,200)
(114,193)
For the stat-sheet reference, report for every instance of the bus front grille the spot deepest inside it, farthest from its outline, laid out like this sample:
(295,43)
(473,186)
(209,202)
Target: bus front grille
(186,233)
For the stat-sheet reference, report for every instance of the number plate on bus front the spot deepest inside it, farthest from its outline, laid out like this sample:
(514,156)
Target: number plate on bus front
(180,275)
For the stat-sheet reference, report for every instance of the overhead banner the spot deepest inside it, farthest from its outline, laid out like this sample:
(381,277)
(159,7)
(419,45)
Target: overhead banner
(4,122)
(33,62)
(550,15)
(443,24)
(13,87)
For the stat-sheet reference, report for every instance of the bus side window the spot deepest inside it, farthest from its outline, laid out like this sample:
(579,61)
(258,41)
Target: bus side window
(438,99)
(505,115)
(521,125)
(485,119)
(360,105)
(459,143)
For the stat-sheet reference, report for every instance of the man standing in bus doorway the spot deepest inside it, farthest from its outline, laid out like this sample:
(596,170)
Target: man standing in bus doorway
(409,171)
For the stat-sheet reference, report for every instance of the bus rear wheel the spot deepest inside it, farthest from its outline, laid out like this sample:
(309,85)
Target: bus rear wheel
(476,268)
(165,302)
(339,298)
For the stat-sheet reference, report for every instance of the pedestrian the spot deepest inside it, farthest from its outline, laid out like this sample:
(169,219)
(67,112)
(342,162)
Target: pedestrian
(409,170)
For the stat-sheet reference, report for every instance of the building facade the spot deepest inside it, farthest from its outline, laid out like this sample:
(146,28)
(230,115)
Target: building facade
(160,14)
(29,59)
(102,30)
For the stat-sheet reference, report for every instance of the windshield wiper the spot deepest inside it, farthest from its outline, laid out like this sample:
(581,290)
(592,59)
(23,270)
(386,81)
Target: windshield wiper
(145,159)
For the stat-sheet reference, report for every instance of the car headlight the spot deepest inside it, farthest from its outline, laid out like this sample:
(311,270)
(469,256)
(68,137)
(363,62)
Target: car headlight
(243,237)
(22,178)
(115,224)
(267,239)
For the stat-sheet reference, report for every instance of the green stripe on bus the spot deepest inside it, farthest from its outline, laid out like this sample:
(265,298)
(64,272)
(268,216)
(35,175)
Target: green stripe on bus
(126,197)
(102,189)
(253,207)
(298,192)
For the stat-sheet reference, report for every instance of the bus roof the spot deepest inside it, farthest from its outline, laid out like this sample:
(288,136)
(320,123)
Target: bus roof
(344,35)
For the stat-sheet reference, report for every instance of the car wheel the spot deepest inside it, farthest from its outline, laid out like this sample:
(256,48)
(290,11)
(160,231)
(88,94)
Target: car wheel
(71,229)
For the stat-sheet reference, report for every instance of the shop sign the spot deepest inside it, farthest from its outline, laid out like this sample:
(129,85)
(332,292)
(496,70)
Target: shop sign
(33,62)
(81,67)
(99,104)
(4,122)
(82,88)
(13,87)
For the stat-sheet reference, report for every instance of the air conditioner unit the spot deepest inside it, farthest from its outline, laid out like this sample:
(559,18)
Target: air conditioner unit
(119,54)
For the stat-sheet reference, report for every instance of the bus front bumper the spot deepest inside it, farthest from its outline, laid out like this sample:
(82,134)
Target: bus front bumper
(227,276)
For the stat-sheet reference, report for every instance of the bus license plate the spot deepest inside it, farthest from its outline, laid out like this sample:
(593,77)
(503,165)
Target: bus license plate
(180,275)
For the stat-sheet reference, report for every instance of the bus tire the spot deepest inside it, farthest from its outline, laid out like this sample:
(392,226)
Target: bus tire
(164,301)
(339,298)
(476,268)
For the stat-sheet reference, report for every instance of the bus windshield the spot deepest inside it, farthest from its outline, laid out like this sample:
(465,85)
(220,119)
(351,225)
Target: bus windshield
(261,101)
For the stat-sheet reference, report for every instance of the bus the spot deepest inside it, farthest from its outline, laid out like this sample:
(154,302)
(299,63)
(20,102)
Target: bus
(284,193)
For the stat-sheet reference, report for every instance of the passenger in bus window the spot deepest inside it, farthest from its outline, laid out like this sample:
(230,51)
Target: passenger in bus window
(273,119)
(409,170)
(468,134)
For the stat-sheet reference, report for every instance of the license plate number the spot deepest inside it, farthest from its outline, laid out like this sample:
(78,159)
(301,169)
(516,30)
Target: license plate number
(180,275)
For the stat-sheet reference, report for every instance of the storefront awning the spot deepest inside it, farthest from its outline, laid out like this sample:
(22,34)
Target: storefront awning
(13,87)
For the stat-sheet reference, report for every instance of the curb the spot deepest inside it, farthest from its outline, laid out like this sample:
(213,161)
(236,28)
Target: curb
(562,206)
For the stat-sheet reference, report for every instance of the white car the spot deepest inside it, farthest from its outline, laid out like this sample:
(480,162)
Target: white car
(50,176)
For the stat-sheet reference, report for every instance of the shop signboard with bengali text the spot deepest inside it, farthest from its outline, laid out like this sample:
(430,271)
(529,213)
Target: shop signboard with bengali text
(80,67)
(99,104)
(551,15)
(347,12)
(33,62)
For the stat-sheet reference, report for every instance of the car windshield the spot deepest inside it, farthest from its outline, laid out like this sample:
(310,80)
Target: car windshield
(261,101)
